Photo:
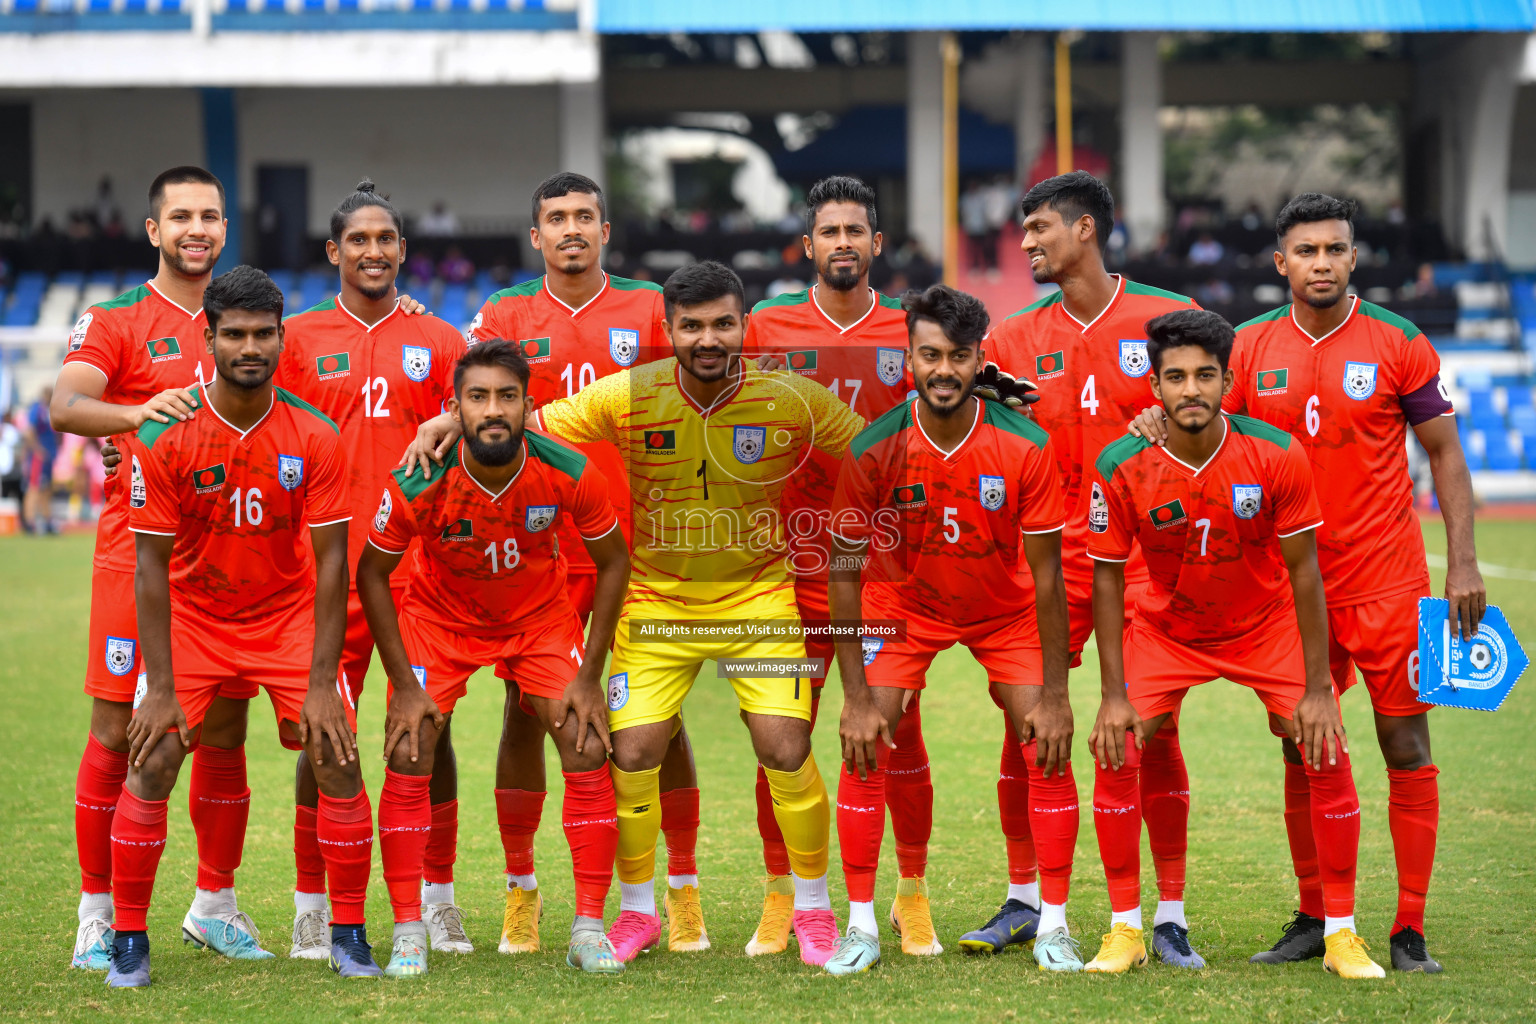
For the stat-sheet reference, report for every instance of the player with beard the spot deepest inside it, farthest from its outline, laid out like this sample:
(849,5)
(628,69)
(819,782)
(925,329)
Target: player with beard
(378,373)
(955,496)
(503,604)
(132,361)
(239,517)
(1348,378)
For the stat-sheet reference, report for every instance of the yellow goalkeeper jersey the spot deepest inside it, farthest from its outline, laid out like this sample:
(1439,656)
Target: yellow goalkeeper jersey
(706,483)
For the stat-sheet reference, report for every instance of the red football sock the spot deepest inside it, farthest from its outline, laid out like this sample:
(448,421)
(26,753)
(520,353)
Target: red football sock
(590,817)
(344,829)
(219,803)
(308,862)
(405,821)
(517,815)
(1013,810)
(1053,822)
(775,856)
(680,824)
(1298,829)
(1117,820)
(861,827)
(1413,815)
(1336,824)
(138,840)
(1165,809)
(97,787)
(909,793)
(442,843)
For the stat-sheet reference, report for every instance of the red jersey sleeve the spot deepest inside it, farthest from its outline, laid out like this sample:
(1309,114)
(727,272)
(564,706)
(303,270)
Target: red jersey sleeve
(1420,365)
(1112,541)
(853,503)
(154,506)
(97,341)
(449,350)
(1236,400)
(326,500)
(1041,509)
(1296,505)
(591,510)
(393,525)
(488,323)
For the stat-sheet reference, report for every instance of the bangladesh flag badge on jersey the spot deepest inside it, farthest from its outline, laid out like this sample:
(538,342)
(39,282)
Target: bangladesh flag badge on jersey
(161,349)
(208,479)
(535,350)
(909,496)
(660,441)
(1272,382)
(337,364)
(459,529)
(802,362)
(1171,514)
(1052,364)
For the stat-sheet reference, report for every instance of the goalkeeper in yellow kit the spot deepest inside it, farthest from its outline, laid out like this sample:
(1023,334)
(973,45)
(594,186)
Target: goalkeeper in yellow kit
(708,442)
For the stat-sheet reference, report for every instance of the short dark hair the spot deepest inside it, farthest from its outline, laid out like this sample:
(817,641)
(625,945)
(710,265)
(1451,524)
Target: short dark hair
(1311,207)
(242,288)
(495,352)
(183,175)
(703,282)
(564,183)
(961,316)
(1189,327)
(1072,195)
(366,194)
(839,188)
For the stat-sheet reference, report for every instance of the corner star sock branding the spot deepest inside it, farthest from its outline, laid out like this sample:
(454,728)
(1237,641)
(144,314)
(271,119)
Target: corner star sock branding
(98,784)
(1165,809)
(405,821)
(219,803)
(1298,830)
(138,840)
(1117,821)
(1013,812)
(590,818)
(344,827)
(909,793)
(861,827)
(1336,824)
(1053,814)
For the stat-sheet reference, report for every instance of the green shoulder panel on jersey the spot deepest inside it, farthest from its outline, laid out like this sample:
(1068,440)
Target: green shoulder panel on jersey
(1250,427)
(319,307)
(556,455)
(1278,313)
(887,424)
(417,483)
(1116,453)
(629,284)
(1408,327)
(131,297)
(1014,422)
(150,431)
(799,298)
(888,301)
(1135,288)
(289,398)
(523,290)
(1049,300)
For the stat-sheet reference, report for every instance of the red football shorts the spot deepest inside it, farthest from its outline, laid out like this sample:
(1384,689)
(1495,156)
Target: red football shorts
(811,598)
(1382,638)
(211,655)
(357,646)
(1080,612)
(580,590)
(1159,670)
(1008,647)
(543,659)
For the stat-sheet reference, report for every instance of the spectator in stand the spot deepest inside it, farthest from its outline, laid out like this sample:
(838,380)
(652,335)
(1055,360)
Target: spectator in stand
(1253,217)
(998,199)
(439,223)
(973,221)
(113,228)
(1206,252)
(105,208)
(42,444)
(78,467)
(456,267)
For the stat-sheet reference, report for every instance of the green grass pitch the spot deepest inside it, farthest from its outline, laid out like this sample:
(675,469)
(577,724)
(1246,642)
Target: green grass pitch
(1482,914)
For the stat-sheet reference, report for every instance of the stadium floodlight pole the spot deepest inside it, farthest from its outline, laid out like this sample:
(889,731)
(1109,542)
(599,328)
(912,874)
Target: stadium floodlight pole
(1063,103)
(949,54)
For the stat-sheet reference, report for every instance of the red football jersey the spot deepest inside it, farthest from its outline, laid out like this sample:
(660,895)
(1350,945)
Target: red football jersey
(239,504)
(377,384)
(1341,396)
(1093,381)
(568,349)
(143,343)
(945,531)
(1210,536)
(863,365)
(492,562)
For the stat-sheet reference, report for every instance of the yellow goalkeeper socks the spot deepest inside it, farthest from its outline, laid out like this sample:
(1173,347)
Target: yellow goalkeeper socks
(639,800)
(800,807)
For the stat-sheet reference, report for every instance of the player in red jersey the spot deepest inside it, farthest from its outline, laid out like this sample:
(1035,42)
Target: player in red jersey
(954,495)
(227,591)
(1348,379)
(132,361)
(847,337)
(506,604)
(1226,516)
(1085,348)
(378,373)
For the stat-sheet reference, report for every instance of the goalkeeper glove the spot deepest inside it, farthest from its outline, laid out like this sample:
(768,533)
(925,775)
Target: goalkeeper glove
(994,385)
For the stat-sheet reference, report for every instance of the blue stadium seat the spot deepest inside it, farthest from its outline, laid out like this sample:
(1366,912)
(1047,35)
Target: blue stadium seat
(104,278)
(59,6)
(1499,454)
(283,279)
(1481,410)
(135,7)
(99,7)
(23,6)
(1519,396)
(314,6)
(76,278)
(422,5)
(170,6)
(454,301)
(21,314)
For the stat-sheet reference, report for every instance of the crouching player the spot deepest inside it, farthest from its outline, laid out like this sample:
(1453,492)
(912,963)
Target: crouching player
(488,587)
(221,505)
(969,492)
(1226,515)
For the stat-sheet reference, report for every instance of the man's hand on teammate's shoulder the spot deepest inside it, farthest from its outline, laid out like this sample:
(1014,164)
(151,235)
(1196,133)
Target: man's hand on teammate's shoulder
(433,439)
(769,361)
(1151,424)
(323,715)
(172,402)
(995,385)
(1468,596)
(586,698)
(862,726)
(1319,731)
(409,706)
(1107,741)
(1051,725)
(159,713)
(410,307)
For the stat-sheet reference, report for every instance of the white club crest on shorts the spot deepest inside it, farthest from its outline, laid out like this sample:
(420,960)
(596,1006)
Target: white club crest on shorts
(138,496)
(420,672)
(1359,380)
(1246,499)
(618,690)
(539,517)
(750,442)
(623,345)
(381,517)
(82,326)
(1098,510)
(416,361)
(290,471)
(120,655)
(140,689)
(1133,358)
(871,646)
(889,362)
(993,492)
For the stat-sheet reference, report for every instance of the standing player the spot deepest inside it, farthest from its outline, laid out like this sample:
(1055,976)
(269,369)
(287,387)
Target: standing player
(707,443)
(1226,516)
(378,373)
(850,339)
(130,363)
(226,592)
(955,494)
(1085,347)
(1348,379)
(505,604)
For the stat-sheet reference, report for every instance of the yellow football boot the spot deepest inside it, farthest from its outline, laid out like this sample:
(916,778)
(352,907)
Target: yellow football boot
(1346,956)
(685,921)
(1122,950)
(520,922)
(913,918)
(772,935)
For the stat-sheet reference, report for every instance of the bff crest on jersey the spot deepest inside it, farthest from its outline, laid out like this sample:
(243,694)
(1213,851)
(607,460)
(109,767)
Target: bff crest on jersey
(539,517)
(416,361)
(623,345)
(290,471)
(870,648)
(889,362)
(993,492)
(1359,380)
(381,517)
(1133,358)
(1246,499)
(750,442)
